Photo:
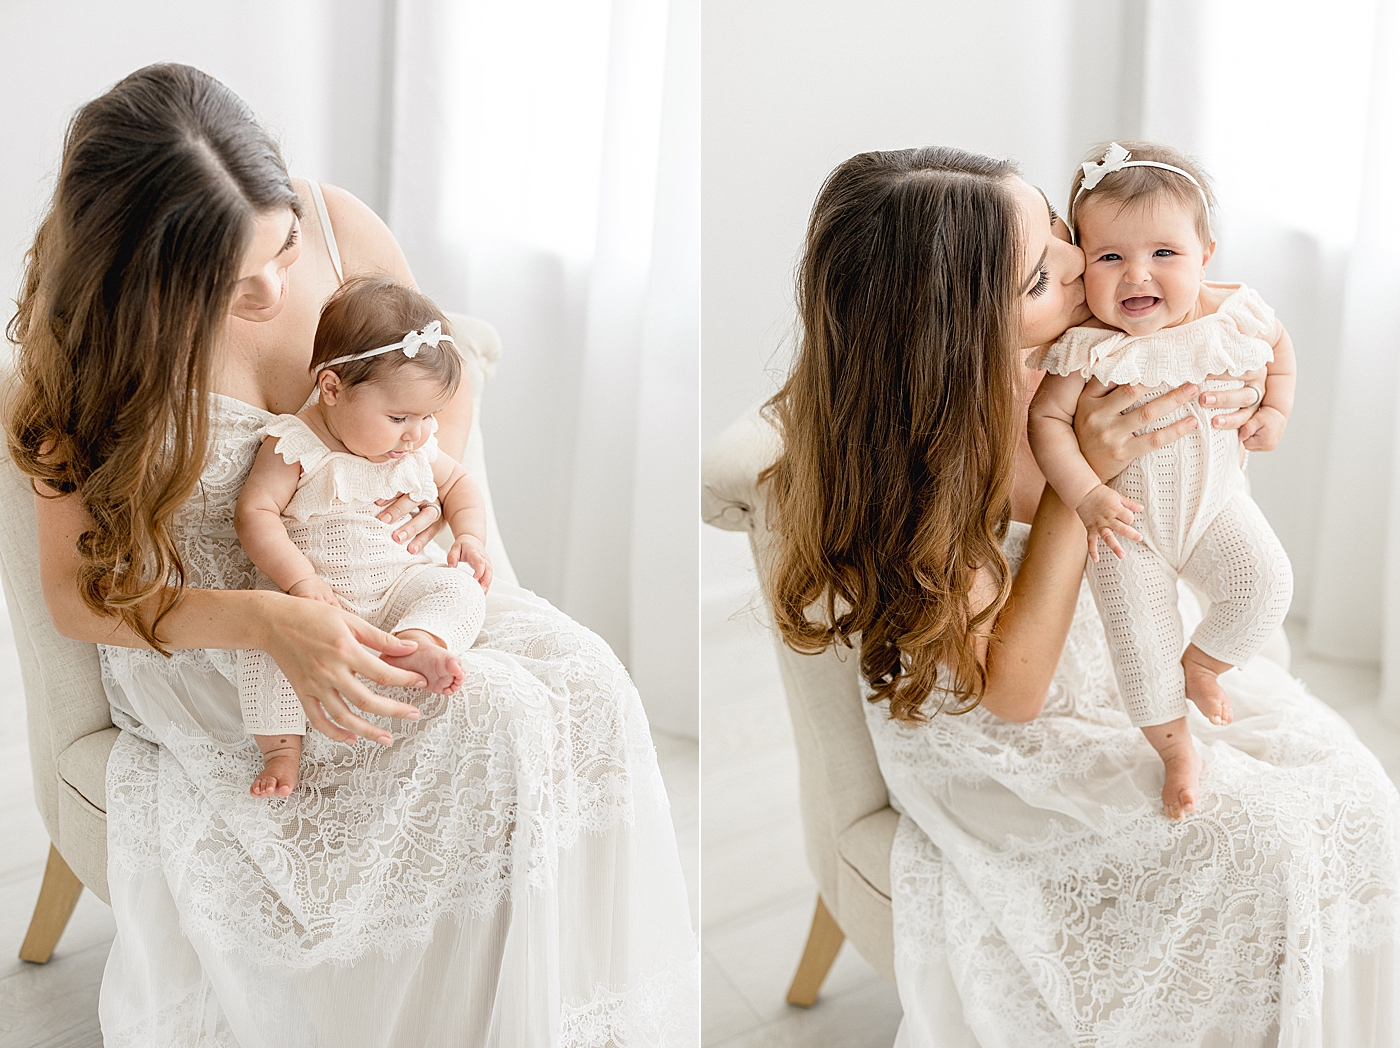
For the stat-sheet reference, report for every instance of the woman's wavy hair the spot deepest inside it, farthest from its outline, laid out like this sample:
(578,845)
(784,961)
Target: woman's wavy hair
(126,291)
(899,427)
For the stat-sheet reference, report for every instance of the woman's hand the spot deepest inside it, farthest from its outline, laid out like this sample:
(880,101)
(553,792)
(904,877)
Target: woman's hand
(1246,400)
(416,522)
(319,648)
(1108,431)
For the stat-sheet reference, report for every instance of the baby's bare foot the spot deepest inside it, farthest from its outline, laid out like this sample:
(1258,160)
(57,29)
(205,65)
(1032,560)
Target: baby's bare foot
(1182,764)
(1203,685)
(1183,782)
(437,665)
(281,765)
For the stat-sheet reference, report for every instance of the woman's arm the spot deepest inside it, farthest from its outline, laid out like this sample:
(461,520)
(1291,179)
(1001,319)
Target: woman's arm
(1024,649)
(368,247)
(318,647)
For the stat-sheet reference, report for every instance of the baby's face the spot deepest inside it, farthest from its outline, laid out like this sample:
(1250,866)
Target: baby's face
(1143,265)
(383,420)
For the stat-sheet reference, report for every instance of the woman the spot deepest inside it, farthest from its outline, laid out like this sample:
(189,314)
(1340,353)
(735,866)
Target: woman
(1040,895)
(496,867)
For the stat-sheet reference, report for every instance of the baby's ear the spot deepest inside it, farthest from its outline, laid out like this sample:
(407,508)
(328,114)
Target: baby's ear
(1210,251)
(329,383)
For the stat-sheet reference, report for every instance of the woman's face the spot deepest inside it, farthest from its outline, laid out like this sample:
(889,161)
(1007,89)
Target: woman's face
(262,284)
(1052,270)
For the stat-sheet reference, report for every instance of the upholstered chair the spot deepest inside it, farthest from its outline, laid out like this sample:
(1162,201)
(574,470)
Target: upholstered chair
(847,823)
(70,727)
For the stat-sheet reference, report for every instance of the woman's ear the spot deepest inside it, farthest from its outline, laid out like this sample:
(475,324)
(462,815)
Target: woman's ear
(331,389)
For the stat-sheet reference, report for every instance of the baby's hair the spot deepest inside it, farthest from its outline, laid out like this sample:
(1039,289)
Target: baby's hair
(1145,185)
(369,312)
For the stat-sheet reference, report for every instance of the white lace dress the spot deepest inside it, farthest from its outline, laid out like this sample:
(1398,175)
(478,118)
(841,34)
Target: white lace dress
(1042,898)
(505,874)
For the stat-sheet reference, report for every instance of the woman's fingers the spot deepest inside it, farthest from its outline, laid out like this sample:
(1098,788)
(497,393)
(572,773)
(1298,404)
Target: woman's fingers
(341,713)
(1160,438)
(419,529)
(316,714)
(399,509)
(1160,407)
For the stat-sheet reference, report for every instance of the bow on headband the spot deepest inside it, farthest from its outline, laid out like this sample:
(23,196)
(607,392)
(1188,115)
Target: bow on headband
(411,343)
(1112,161)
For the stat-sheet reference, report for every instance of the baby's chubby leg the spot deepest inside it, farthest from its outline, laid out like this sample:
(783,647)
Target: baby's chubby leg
(1182,765)
(281,765)
(1243,569)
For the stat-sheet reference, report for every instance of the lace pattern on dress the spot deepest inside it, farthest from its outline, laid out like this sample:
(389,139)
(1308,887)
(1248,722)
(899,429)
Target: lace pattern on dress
(1074,913)
(542,744)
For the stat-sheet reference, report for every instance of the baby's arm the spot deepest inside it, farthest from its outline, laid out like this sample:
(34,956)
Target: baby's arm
(1104,512)
(1265,427)
(258,521)
(464,508)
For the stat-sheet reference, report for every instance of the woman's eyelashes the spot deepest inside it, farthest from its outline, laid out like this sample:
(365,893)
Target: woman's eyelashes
(292,238)
(1042,283)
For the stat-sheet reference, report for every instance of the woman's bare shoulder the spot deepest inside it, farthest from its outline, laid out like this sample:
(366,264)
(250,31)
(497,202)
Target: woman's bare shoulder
(366,244)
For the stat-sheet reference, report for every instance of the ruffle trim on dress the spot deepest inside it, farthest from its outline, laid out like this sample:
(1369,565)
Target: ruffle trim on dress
(331,477)
(1228,342)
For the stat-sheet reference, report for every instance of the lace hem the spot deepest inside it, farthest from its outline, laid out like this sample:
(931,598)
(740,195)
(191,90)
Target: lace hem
(660,1011)
(1228,342)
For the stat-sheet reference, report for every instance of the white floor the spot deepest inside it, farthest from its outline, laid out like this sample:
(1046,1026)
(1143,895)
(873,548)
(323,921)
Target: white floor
(758,894)
(55,1005)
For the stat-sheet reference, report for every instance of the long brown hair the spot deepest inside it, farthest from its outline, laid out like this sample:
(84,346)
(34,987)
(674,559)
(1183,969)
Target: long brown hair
(126,290)
(899,422)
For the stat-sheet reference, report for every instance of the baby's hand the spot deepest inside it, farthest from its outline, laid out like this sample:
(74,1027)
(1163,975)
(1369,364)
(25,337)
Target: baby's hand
(1105,512)
(315,588)
(1264,429)
(469,548)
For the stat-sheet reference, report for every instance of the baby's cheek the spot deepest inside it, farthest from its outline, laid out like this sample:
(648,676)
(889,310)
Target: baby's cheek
(1099,292)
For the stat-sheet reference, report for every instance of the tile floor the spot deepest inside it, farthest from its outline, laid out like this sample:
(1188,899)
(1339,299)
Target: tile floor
(55,1005)
(758,894)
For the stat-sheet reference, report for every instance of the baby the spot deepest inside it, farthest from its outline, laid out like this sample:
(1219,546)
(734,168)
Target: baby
(1142,219)
(308,512)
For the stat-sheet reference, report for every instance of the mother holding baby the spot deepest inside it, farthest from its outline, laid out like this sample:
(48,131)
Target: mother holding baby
(504,871)
(1040,894)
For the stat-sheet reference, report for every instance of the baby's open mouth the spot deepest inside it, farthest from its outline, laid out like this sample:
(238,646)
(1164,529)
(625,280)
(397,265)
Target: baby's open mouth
(1139,305)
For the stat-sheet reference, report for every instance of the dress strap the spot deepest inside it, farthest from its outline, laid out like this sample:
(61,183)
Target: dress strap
(325,217)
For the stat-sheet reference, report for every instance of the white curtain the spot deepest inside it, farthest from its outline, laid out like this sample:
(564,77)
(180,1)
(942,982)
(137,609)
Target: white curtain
(1294,107)
(543,175)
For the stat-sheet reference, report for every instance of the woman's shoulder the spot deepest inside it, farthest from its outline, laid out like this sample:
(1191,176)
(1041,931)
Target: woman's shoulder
(366,244)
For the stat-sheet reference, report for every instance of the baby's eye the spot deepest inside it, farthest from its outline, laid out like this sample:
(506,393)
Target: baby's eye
(396,419)
(1110,257)
(1163,252)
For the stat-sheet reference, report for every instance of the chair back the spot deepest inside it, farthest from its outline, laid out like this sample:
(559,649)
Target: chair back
(840,781)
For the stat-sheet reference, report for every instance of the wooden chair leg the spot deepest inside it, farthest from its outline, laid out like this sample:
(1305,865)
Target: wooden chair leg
(57,897)
(823,943)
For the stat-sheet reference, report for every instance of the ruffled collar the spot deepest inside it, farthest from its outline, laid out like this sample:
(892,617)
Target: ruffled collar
(1230,341)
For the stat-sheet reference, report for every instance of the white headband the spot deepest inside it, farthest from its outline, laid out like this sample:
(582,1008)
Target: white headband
(1115,159)
(431,335)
